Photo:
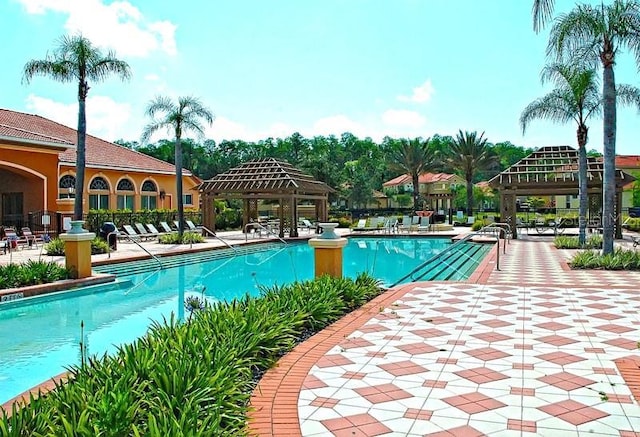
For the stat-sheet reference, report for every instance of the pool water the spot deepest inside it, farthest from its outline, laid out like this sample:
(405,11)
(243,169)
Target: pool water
(41,336)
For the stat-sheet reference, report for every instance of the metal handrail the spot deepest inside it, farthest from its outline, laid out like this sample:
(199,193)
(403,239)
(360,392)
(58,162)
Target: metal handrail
(128,237)
(496,233)
(258,225)
(213,234)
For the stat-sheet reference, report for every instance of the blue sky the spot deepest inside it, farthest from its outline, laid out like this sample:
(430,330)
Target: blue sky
(270,68)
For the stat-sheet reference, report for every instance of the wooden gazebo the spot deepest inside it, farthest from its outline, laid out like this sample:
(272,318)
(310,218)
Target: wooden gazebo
(550,171)
(265,179)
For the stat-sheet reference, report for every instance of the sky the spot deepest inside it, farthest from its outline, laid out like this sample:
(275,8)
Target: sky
(403,68)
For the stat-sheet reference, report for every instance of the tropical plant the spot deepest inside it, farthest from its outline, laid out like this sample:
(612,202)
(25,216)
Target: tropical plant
(31,273)
(592,36)
(178,117)
(412,157)
(575,98)
(469,154)
(77,59)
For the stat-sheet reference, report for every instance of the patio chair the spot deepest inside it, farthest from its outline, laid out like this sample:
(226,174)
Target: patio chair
(415,223)
(306,224)
(360,226)
(405,225)
(424,225)
(143,232)
(129,233)
(13,240)
(390,225)
(166,228)
(153,230)
(32,239)
(636,241)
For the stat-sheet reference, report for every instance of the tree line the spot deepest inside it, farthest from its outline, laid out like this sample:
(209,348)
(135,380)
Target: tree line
(354,166)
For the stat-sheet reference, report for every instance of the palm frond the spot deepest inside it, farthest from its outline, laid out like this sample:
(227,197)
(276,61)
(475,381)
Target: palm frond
(542,12)
(628,95)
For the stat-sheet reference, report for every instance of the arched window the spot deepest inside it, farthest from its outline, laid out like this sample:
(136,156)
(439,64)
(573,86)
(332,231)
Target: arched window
(66,187)
(99,184)
(149,196)
(126,194)
(98,193)
(125,185)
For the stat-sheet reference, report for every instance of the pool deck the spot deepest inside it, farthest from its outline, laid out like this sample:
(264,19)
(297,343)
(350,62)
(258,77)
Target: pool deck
(534,349)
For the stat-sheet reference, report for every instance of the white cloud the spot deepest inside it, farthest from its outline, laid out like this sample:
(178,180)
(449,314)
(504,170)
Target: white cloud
(106,118)
(152,77)
(403,118)
(421,94)
(119,25)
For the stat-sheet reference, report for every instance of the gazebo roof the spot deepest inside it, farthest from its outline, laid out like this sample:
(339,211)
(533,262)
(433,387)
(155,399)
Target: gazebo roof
(267,176)
(552,168)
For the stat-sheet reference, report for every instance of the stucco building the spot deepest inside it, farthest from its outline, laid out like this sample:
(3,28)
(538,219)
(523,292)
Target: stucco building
(37,173)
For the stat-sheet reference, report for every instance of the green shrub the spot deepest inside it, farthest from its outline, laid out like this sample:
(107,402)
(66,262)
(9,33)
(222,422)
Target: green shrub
(567,242)
(620,259)
(477,225)
(193,378)
(56,246)
(31,273)
(633,224)
(187,238)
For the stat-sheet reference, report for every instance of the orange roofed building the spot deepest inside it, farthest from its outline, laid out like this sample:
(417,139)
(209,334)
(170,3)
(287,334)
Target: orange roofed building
(435,188)
(37,173)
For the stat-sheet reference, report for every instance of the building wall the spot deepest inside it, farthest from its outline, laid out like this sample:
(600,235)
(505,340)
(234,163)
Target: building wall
(163,182)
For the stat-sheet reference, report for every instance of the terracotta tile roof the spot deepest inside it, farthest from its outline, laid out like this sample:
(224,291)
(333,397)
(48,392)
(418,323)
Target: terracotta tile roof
(99,153)
(628,161)
(424,178)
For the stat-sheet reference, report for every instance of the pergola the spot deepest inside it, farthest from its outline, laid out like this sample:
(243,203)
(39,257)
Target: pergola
(265,179)
(550,171)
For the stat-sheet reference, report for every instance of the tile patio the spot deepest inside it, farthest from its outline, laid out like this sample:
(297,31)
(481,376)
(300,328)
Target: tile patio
(532,349)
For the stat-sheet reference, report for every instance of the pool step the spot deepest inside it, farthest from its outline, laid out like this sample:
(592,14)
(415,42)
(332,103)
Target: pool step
(150,264)
(454,266)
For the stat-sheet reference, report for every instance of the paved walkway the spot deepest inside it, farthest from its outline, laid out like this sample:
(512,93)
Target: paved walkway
(535,349)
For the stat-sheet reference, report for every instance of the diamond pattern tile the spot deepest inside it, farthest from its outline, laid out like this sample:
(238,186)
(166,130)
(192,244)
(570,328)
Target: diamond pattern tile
(481,375)
(474,402)
(573,412)
(487,354)
(566,381)
(498,355)
(382,393)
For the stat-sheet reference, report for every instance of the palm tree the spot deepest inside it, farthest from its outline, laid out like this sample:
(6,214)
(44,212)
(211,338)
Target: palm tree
(177,117)
(592,36)
(412,157)
(575,98)
(470,154)
(76,59)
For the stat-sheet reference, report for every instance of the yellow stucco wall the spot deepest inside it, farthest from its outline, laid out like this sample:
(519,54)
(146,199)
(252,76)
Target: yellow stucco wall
(35,172)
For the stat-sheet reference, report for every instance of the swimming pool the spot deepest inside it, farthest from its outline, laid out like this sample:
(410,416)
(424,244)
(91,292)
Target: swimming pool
(40,336)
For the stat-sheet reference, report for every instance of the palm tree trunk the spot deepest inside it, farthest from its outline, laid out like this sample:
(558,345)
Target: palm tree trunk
(178,160)
(609,176)
(582,184)
(80,153)
(416,191)
(469,198)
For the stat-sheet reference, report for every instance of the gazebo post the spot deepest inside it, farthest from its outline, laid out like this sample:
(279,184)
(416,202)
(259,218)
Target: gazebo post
(245,214)
(508,205)
(281,214)
(618,210)
(294,217)
(208,212)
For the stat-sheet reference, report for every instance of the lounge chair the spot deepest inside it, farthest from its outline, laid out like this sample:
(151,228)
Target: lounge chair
(415,222)
(390,225)
(361,225)
(129,233)
(636,241)
(153,230)
(405,225)
(13,240)
(306,224)
(424,224)
(32,239)
(192,227)
(143,232)
(166,228)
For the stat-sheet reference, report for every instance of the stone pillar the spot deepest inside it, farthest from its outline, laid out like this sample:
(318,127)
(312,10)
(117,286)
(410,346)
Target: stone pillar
(77,249)
(328,251)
